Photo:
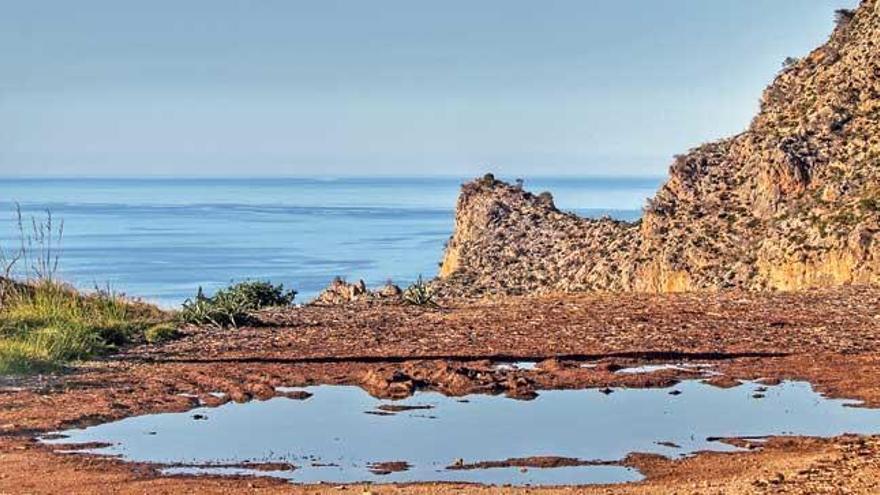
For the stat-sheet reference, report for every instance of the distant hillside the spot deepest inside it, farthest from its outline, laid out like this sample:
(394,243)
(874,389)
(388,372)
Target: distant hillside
(793,202)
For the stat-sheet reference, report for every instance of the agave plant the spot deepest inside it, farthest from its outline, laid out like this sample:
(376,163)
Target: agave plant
(231,306)
(419,294)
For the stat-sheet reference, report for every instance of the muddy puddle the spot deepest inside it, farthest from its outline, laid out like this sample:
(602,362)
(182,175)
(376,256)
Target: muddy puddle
(341,434)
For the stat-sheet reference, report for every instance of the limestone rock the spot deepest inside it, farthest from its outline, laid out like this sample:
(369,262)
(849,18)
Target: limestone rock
(791,203)
(341,292)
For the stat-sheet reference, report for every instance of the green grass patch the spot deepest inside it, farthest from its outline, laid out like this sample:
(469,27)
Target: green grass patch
(17,357)
(163,332)
(46,324)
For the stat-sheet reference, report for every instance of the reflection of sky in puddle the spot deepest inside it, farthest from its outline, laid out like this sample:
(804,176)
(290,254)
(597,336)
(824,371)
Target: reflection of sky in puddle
(331,428)
(516,365)
(287,390)
(651,368)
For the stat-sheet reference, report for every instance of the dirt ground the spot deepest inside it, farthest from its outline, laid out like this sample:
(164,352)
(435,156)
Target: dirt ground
(830,338)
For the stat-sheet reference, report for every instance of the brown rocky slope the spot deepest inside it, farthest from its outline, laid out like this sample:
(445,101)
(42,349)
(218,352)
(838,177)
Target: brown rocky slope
(791,203)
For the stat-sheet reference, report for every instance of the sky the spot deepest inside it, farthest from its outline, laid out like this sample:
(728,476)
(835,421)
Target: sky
(393,87)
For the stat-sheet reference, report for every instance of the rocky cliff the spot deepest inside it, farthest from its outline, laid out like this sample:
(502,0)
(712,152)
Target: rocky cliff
(793,202)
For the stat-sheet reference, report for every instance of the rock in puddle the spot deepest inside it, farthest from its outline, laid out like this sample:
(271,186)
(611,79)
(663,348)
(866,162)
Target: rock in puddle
(295,394)
(385,468)
(723,382)
(393,408)
(671,445)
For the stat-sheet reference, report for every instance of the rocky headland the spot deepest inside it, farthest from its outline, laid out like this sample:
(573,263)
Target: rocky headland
(791,203)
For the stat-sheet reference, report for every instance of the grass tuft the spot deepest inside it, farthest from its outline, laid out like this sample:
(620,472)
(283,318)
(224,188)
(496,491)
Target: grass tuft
(17,358)
(163,332)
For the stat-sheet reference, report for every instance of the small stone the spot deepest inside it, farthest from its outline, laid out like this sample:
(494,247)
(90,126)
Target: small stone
(390,290)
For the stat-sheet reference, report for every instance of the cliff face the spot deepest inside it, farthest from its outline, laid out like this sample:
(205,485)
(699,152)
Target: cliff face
(793,202)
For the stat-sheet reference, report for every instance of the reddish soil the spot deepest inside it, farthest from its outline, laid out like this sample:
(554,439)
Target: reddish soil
(830,338)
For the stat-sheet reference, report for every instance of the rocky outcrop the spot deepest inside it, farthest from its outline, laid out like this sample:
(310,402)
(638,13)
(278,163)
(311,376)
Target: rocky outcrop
(341,292)
(793,202)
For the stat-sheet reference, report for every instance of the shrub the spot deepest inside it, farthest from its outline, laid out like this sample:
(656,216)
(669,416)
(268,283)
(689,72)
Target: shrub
(232,305)
(870,204)
(546,197)
(790,62)
(842,17)
(160,333)
(419,294)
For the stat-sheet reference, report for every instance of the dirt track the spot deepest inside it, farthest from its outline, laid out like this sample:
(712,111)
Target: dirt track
(830,338)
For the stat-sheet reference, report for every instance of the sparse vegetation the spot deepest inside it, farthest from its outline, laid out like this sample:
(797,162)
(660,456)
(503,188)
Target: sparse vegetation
(419,294)
(870,204)
(162,332)
(790,62)
(9,257)
(45,323)
(232,305)
(843,17)
(546,197)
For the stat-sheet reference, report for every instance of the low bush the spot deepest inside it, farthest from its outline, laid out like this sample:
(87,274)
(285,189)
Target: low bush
(419,294)
(870,204)
(231,306)
(790,62)
(843,17)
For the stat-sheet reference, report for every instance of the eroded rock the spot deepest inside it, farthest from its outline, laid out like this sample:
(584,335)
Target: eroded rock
(792,203)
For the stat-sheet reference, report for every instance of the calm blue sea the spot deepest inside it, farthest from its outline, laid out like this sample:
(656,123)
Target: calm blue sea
(160,239)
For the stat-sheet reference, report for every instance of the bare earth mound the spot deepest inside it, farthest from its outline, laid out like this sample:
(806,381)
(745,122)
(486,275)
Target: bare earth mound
(793,202)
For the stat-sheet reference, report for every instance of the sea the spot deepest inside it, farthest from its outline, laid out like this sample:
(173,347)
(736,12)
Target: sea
(160,239)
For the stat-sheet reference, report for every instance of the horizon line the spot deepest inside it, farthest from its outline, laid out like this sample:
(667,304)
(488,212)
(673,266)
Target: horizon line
(330,177)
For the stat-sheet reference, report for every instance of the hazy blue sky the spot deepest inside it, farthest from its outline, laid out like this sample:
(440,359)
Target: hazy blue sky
(330,87)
